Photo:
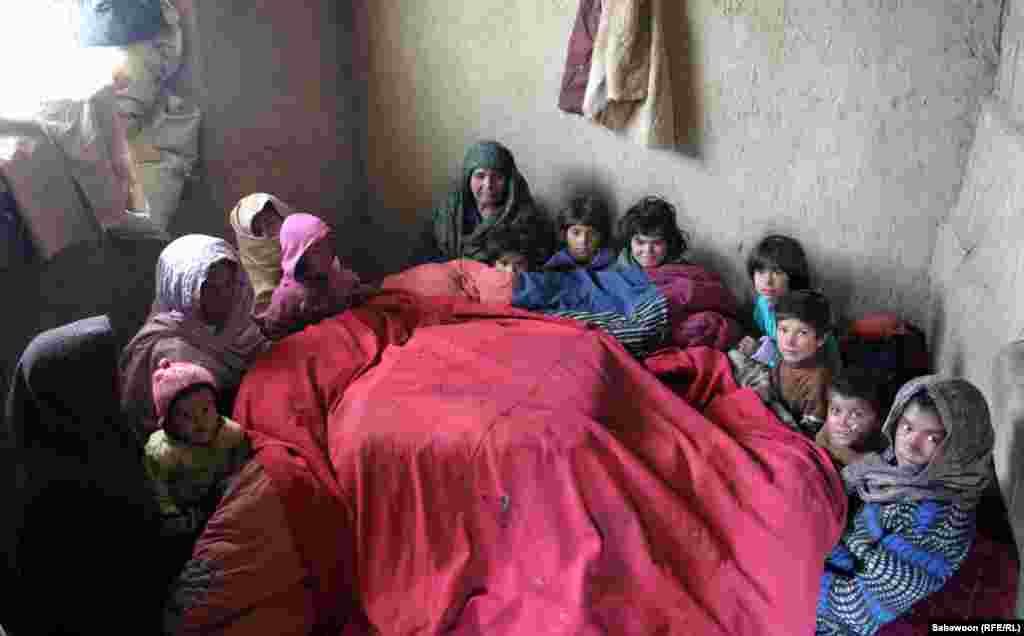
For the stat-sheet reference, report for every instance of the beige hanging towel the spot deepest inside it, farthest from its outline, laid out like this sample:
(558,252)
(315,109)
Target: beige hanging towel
(629,88)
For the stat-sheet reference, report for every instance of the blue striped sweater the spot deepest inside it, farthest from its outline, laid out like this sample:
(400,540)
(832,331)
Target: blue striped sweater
(891,556)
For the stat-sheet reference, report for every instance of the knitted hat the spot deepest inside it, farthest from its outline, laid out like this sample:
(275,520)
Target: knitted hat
(170,379)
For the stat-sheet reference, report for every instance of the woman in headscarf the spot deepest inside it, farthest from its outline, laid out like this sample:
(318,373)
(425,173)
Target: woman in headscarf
(314,285)
(491,194)
(201,314)
(256,220)
(920,498)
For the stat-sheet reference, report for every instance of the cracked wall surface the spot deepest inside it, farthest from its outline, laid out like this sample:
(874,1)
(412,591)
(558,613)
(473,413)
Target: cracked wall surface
(843,123)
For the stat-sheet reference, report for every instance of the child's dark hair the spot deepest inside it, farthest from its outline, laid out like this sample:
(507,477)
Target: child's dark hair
(806,306)
(858,382)
(776,251)
(586,210)
(523,240)
(169,429)
(654,216)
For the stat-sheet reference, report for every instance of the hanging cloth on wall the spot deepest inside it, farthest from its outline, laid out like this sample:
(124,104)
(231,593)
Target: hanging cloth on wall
(577,61)
(629,86)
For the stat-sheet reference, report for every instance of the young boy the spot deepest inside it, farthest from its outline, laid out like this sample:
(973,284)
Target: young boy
(583,227)
(919,513)
(801,376)
(853,424)
(195,451)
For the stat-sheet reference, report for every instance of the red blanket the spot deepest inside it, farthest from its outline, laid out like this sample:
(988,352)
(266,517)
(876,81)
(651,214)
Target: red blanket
(500,473)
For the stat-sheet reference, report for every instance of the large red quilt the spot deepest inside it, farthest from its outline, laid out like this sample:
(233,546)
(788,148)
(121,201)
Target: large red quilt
(496,472)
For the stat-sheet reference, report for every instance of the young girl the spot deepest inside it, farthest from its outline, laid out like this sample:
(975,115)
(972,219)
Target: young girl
(650,236)
(256,220)
(583,227)
(776,266)
(918,518)
(195,450)
(314,285)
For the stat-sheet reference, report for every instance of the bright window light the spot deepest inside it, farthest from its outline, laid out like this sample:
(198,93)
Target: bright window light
(43,59)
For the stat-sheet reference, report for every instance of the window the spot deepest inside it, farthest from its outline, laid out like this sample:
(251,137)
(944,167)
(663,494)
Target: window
(44,61)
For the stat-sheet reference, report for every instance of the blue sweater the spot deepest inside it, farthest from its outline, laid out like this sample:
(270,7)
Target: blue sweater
(891,556)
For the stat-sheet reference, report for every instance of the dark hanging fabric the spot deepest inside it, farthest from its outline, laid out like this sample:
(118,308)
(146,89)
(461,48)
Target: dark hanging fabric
(79,519)
(15,242)
(577,62)
(118,22)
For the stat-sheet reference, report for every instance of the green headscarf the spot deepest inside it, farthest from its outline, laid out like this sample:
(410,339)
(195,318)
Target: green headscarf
(449,216)
(962,467)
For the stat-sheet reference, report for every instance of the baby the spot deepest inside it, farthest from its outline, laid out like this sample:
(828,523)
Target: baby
(314,285)
(584,226)
(190,458)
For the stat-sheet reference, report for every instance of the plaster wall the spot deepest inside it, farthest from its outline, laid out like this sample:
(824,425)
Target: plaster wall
(842,123)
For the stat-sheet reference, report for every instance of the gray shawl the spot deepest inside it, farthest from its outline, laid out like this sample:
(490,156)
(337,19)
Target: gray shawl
(962,466)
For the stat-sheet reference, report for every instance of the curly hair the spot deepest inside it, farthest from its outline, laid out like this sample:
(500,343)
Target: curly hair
(654,216)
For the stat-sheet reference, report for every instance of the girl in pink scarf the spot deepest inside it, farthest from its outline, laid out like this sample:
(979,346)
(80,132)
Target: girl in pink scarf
(314,285)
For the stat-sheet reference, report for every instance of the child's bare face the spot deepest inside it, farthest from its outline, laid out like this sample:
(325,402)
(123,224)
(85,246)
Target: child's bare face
(318,258)
(771,283)
(798,341)
(851,421)
(267,223)
(513,262)
(194,417)
(648,250)
(919,435)
(583,242)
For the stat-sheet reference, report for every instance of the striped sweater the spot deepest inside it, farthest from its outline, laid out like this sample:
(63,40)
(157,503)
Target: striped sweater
(891,556)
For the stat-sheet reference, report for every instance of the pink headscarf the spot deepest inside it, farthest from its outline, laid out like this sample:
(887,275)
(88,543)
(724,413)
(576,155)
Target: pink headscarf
(297,303)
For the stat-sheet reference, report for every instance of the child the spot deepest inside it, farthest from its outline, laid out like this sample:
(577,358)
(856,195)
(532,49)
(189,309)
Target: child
(195,450)
(583,226)
(314,285)
(802,376)
(650,236)
(853,425)
(256,220)
(514,250)
(919,515)
(776,265)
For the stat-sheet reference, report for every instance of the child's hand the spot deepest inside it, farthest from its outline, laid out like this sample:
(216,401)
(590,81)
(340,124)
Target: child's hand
(747,346)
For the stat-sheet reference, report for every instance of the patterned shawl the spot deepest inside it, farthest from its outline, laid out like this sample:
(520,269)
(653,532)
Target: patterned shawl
(962,466)
(176,331)
(261,255)
(449,218)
